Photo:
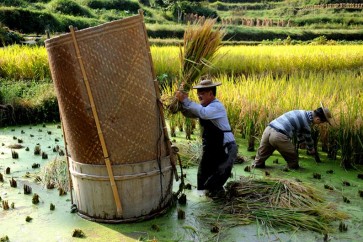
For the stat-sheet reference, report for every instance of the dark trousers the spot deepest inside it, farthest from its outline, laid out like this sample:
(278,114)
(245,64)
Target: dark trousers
(215,169)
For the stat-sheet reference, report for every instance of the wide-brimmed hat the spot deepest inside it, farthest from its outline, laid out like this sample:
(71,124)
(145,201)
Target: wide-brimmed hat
(206,84)
(327,113)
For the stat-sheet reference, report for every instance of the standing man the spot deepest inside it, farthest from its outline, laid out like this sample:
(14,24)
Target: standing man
(219,146)
(278,135)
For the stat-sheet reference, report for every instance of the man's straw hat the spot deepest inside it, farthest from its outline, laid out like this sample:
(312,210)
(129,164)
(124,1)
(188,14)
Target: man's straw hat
(327,113)
(206,84)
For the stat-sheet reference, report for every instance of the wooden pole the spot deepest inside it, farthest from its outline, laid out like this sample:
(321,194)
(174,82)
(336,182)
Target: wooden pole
(160,106)
(98,126)
(66,150)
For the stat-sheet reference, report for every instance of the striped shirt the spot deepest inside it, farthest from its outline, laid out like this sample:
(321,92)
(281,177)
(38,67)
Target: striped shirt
(295,122)
(215,112)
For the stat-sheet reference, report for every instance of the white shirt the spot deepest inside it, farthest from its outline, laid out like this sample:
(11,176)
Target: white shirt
(215,112)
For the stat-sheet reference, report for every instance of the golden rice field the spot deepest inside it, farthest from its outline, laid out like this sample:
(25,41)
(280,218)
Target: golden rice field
(259,84)
(278,60)
(253,102)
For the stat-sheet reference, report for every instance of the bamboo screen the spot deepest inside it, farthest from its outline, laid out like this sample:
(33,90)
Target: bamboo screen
(119,70)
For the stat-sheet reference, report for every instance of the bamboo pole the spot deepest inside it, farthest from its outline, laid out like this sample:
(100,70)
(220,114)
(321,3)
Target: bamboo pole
(98,126)
(68,168)
(160,105)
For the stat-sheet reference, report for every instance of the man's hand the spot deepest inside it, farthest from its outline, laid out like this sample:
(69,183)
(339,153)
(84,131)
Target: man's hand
(180,95)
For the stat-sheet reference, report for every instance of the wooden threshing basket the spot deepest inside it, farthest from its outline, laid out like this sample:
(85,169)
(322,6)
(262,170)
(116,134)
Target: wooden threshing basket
(114,130)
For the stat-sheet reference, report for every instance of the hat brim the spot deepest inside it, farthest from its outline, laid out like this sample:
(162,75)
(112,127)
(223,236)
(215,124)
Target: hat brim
(207,86)
(325,114)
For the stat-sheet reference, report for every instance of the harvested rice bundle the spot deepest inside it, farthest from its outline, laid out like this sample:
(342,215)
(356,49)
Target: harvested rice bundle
(281,203)
(55,174)
(201,42)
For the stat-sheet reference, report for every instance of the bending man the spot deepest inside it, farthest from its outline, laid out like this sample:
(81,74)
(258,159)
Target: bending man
(279,133)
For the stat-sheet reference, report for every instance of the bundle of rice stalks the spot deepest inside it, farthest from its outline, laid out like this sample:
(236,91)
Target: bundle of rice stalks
(55,173)
(281,203)
(201,42)
(191,152)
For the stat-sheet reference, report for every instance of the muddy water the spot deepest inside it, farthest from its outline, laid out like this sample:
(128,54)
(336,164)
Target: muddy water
(201,213)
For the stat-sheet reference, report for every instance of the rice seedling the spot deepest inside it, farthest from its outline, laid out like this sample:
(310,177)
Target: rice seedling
(328,187)
(78,233)
(61,191)
(13,183)
(14,154)
(35,199)
(343,227)
(37,150)
(346,200)
(181,213)
(346,183)
(27,189)
(316,175)
(44,155)
(74,208)
(51,207)
(5,204)
(5,239)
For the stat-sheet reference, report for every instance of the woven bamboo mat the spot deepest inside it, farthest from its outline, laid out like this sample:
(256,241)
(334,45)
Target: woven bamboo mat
(119,70)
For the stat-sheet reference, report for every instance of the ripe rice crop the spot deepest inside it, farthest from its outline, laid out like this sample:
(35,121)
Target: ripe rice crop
(275,60)
(253,102)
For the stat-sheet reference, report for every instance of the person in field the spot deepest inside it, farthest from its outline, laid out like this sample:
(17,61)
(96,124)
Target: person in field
(219,146)
(279,133)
